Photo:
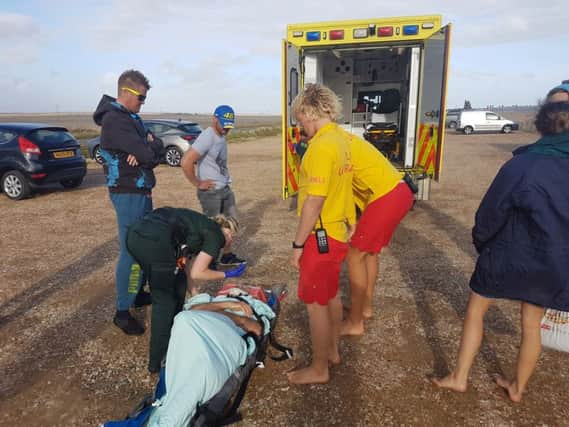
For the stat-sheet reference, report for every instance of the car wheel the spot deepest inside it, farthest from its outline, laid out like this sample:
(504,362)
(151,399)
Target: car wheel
(452,125)
(97,155)
(507,129)
(173,156)
(71,183)
(15,185)
(468,130)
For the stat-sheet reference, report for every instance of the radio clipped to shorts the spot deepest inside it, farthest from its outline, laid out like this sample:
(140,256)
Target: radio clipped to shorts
(322,239)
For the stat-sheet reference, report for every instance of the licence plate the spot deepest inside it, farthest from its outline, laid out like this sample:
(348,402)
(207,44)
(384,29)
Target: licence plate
(63,154)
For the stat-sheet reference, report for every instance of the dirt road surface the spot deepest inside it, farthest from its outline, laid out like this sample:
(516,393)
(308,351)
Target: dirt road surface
(63,363)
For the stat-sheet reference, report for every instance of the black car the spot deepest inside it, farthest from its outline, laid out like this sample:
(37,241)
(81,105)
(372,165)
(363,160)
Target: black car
(35,154)
(177,135)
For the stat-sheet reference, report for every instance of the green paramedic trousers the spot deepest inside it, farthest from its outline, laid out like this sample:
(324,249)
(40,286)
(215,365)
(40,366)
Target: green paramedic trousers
(150,244)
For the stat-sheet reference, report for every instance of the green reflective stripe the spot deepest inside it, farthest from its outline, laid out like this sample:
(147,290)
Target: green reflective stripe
(134,279)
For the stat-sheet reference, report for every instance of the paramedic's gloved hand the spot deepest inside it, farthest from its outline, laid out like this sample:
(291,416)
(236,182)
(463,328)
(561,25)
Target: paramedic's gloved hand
(236,272)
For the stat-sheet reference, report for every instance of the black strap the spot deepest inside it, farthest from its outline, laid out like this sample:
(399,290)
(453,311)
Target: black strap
(258,317)
(215,411)
(287,352)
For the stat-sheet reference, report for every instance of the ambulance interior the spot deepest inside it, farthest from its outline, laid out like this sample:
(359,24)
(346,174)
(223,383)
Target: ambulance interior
(373,84)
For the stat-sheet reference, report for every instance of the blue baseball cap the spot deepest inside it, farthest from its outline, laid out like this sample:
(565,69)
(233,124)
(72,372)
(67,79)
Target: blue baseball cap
(564,87)
(225,115)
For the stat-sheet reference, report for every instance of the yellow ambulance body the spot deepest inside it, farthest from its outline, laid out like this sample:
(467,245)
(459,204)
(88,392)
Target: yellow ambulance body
(391,74)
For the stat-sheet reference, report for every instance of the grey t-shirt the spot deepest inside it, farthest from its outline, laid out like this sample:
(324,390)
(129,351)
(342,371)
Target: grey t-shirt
(213,162)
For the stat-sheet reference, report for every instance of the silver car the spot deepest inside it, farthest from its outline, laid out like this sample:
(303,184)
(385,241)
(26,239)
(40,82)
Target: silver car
(452,117)
(177,135)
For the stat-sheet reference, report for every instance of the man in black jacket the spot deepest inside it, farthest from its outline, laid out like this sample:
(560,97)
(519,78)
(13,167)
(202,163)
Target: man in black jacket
(130,153)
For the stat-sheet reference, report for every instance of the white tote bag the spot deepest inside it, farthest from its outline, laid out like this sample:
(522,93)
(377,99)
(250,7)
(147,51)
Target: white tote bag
(555,330)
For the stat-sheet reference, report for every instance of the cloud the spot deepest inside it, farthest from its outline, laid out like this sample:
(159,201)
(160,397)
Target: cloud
(19,39)
(509,22)
(16,27)
(202,52)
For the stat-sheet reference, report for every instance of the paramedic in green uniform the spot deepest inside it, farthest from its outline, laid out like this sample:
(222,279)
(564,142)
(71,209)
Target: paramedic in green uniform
(161,242)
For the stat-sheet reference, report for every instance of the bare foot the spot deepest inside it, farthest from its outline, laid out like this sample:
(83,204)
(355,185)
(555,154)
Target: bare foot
(349,328)
(450,382)
(511,387)
(308,376)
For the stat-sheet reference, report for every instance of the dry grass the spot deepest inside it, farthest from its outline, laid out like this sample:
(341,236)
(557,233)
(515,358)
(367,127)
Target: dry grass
(525,119)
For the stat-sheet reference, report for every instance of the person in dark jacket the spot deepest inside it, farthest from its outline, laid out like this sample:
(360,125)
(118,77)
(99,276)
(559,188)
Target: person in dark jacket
(161,243)
(521,234)
(130,153)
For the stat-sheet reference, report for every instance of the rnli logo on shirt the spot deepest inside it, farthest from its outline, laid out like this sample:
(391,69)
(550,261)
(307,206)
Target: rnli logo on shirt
(346,168)
(317,180)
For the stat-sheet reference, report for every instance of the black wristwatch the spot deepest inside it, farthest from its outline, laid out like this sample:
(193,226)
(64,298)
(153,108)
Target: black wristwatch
(295,246)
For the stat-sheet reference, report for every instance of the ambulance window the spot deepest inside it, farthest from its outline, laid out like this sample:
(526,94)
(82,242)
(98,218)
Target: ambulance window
(293,78)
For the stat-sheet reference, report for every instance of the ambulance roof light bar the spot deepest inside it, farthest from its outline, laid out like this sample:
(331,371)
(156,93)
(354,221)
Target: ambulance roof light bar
(384,31)
(313,36)
(410,30)
(360,33)
(336,34)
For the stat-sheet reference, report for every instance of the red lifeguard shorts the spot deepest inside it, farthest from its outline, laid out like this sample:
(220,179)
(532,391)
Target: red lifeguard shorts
(380,218)
(320,273)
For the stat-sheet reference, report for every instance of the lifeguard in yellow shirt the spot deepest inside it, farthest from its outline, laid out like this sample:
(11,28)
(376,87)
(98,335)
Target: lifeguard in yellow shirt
(325,207)
(384,199)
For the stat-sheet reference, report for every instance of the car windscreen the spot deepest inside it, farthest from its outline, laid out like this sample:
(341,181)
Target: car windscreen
(190,128)
(51,137)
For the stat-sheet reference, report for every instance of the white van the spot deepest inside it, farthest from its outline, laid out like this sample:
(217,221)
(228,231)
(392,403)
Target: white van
(483,121)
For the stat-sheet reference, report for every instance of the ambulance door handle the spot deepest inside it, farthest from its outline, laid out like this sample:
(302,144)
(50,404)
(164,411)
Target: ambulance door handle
(431,131)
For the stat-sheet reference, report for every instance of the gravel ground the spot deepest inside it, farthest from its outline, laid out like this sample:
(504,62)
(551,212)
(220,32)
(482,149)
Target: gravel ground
(63,363)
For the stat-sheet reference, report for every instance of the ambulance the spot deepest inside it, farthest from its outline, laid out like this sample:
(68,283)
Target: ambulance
(391,75)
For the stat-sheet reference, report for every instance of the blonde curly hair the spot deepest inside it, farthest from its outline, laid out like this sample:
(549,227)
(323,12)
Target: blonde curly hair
(228,222)
(317,101)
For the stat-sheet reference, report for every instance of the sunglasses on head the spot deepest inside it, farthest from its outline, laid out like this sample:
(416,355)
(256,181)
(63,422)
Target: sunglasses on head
(140,96)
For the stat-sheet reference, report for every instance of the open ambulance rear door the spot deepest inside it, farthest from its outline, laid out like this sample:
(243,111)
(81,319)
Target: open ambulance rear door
(432,102)
(290,131)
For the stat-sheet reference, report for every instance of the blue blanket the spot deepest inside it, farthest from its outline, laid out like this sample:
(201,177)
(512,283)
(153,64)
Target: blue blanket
(205,349)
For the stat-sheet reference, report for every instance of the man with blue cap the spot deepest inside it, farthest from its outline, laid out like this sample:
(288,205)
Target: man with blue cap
(212,180)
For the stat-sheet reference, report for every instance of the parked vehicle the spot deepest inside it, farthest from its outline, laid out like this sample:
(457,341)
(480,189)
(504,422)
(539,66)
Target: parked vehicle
(177,135)
(484,121)
(452,117)
(35,154)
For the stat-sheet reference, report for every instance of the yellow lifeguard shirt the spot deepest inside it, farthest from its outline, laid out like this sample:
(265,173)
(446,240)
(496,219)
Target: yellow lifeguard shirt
(374,175)
(326,170)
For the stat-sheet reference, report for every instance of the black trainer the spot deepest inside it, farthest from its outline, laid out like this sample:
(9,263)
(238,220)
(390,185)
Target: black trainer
(142,298)
(230,259)
(128,324)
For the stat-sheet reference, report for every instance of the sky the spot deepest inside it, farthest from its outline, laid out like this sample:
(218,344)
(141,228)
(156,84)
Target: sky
(62,55)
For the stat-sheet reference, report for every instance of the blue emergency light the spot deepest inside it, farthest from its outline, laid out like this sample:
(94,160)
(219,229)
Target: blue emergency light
(313,36)
(410,30)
